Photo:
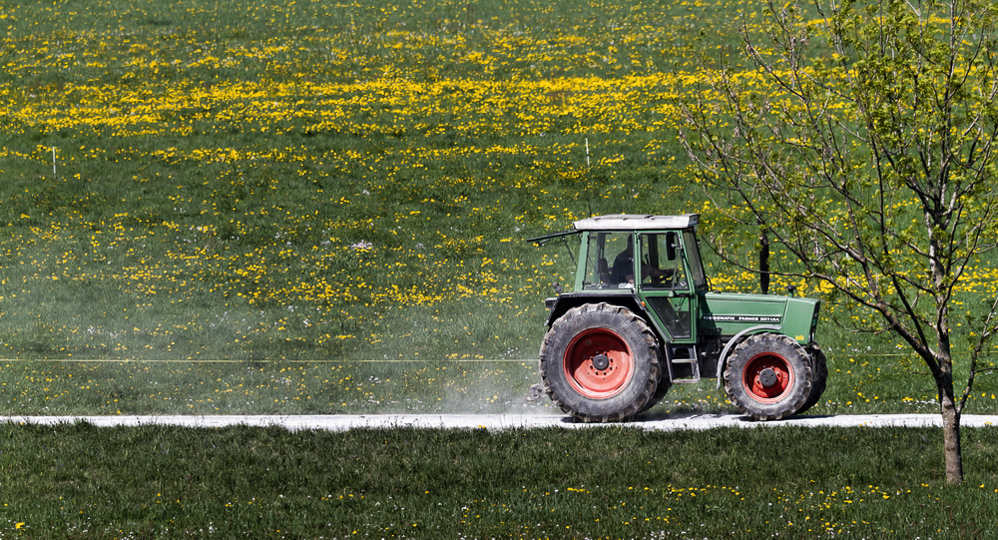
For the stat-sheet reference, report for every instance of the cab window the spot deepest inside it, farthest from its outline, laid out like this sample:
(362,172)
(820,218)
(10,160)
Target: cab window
(609,261)
(662,261)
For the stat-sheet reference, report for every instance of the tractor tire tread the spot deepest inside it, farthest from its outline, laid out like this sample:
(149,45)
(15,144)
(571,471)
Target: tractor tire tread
(646,350)
(796,396)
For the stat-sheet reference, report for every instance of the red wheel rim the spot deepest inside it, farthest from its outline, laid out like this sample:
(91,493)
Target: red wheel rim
(767,377)
(598,363)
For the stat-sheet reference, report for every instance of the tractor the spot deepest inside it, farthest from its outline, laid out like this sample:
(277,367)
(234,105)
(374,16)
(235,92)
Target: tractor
(641,317)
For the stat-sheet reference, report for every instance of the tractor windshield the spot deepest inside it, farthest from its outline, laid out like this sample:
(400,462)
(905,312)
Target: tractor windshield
(609,261)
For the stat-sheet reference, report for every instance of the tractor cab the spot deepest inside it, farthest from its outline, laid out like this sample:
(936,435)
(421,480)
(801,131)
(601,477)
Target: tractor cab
(650,263)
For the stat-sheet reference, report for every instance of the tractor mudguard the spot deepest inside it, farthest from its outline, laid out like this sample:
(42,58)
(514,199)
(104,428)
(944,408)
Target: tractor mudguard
(560,304)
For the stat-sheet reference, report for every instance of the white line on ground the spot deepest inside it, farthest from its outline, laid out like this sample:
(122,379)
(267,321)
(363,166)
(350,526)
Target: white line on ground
(498,422)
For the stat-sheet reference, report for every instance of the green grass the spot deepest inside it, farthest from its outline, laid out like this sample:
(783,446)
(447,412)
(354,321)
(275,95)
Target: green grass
(316,181)
(77,481)
(319,207)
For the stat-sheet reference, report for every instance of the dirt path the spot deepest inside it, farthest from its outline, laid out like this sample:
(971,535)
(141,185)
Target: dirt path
(502,421)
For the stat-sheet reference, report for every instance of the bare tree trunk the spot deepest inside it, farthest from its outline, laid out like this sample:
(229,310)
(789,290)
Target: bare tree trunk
(951,431)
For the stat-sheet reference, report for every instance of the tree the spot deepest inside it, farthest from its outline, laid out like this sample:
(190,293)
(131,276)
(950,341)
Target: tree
(862,141)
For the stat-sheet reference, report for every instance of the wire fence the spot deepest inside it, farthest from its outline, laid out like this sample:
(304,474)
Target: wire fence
(834,354)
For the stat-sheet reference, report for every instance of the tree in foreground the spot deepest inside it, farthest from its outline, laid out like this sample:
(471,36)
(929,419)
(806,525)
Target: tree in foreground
(861,140)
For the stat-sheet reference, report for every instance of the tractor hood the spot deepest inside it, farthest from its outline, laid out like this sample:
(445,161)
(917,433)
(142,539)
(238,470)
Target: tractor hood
(727,314)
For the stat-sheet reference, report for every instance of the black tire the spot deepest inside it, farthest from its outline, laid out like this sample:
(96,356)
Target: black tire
(768,377)
(600,363)
(660,390)
(819,376)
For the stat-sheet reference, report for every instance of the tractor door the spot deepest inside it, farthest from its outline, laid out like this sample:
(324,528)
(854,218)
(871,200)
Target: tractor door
(668,290)
(666,286)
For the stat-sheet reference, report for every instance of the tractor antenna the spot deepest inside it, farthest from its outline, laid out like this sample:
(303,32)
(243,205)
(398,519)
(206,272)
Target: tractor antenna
(589,198)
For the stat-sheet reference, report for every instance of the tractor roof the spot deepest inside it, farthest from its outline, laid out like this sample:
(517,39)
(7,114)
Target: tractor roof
(635,222)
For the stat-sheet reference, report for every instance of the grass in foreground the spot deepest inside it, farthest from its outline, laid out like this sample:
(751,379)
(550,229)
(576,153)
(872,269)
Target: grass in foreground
(154,482)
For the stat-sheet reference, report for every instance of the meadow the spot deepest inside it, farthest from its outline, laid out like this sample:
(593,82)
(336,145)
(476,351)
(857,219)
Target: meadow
(314,181)
(321,207)
(209,206)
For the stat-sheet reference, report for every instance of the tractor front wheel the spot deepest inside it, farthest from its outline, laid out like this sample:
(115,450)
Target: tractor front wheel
(600,363)
(768,377)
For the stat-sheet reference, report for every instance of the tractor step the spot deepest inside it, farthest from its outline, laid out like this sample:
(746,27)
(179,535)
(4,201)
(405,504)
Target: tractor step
(685,367)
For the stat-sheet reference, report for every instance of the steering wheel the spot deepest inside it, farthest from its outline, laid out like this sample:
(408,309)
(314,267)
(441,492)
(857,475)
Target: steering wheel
(665,279)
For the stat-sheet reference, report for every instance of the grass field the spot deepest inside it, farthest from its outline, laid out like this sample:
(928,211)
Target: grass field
(320,207)
(245,197)
(160,482)
(317,181)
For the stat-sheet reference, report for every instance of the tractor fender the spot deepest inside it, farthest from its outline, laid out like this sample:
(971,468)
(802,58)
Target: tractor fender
(722,360)
(560,305)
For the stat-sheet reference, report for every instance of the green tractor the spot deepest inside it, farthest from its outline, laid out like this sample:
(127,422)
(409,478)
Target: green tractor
(641,317)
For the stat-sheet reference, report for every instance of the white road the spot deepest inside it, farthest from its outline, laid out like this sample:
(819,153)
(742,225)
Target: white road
(501,421)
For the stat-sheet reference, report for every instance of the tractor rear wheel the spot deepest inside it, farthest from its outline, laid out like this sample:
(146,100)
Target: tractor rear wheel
(600,363)
(768,377)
